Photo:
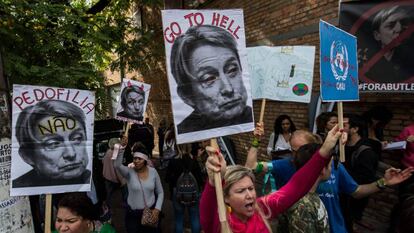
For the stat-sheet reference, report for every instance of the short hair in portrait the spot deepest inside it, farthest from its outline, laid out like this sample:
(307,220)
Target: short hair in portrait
(206,67)
(132,102)
(52,139)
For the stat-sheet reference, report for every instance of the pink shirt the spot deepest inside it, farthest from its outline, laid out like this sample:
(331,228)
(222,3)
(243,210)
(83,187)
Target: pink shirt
(278,201)
(408,159)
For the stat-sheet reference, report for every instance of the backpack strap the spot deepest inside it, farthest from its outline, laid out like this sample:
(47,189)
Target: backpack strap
(357,152)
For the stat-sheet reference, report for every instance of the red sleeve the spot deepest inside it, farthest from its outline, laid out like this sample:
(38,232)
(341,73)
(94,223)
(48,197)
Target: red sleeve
(300,184)
(209,219)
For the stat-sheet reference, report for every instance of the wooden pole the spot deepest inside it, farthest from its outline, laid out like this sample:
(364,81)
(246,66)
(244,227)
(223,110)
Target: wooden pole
(341,126)
(225,228)
(48,213)
(262,110)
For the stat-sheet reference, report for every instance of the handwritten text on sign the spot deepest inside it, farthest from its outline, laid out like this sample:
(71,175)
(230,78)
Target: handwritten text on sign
(196,19)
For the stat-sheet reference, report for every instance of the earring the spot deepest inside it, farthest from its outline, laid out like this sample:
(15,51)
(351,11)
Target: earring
(228,208)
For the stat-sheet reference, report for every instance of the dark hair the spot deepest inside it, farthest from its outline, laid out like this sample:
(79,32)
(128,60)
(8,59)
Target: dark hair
(129,89)
(360,122)
(277,127)
(185,44)
(304,154)
(322,120)
(380,113)
(33,114)
(80,204)
(139,147)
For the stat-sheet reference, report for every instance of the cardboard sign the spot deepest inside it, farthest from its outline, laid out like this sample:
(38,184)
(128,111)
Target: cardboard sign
(52,139)
(283,73)
(207,73)
(338,64)
(132,101)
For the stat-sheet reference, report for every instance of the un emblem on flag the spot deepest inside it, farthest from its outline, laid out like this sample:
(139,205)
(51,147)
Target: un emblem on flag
(339,60)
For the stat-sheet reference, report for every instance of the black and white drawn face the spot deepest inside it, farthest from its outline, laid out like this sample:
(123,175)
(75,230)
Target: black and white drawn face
(59,151)
(134,104)
(391,28)
(217,85)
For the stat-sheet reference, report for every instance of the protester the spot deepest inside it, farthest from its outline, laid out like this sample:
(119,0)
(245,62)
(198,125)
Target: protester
(309,213)
(58,155)
(113,180)
(340,182)
(144,188)
(170,146)
(282,130)
(248,214)
(183,163)
(377,118)
(361,163)
(206,66)
(325,122)
(76,214)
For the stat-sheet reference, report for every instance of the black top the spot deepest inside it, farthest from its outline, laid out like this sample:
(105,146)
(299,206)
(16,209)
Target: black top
(33,179)
(364,166)
(177,166)
(197,122)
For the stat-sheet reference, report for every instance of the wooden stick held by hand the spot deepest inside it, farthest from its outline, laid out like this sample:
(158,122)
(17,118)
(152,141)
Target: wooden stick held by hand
(225,228)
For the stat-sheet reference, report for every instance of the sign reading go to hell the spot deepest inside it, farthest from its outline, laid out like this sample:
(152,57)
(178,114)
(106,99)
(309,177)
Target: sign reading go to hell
(207,73)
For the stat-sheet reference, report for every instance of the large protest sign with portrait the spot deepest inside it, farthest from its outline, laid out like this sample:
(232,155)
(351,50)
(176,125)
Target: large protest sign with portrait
(385,43)
(283,73)
(133,101)
(52,135)
(207,73)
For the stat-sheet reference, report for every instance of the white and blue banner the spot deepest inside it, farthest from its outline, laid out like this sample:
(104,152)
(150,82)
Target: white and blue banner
(338,64)
(283,73)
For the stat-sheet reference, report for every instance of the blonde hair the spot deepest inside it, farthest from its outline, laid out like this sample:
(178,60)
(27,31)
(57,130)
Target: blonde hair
(308,136)
(234,174)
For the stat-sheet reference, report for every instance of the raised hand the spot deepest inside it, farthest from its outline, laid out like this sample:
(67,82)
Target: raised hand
(330,141)
(395,176)
(259,130)
(215,163)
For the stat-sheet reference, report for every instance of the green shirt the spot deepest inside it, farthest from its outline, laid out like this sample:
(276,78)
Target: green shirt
(105,228)
(308,215)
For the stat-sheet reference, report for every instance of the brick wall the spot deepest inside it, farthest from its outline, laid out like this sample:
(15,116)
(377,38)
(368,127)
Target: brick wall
(295,22)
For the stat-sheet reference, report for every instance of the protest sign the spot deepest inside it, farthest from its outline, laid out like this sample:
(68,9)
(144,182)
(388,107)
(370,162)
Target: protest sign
(133,100)
(283,73)
(208,73)
(384,30)
(338,64)
(52,139)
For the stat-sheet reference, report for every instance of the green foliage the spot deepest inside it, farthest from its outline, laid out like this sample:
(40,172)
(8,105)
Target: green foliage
(61,43)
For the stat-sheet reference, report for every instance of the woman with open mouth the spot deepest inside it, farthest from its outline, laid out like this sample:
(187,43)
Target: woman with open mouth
(246,212)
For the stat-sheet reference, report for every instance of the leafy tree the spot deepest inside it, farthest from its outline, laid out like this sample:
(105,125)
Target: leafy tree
(68,43)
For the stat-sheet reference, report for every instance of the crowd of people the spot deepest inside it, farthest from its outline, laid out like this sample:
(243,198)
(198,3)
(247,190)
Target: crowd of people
(314,193)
